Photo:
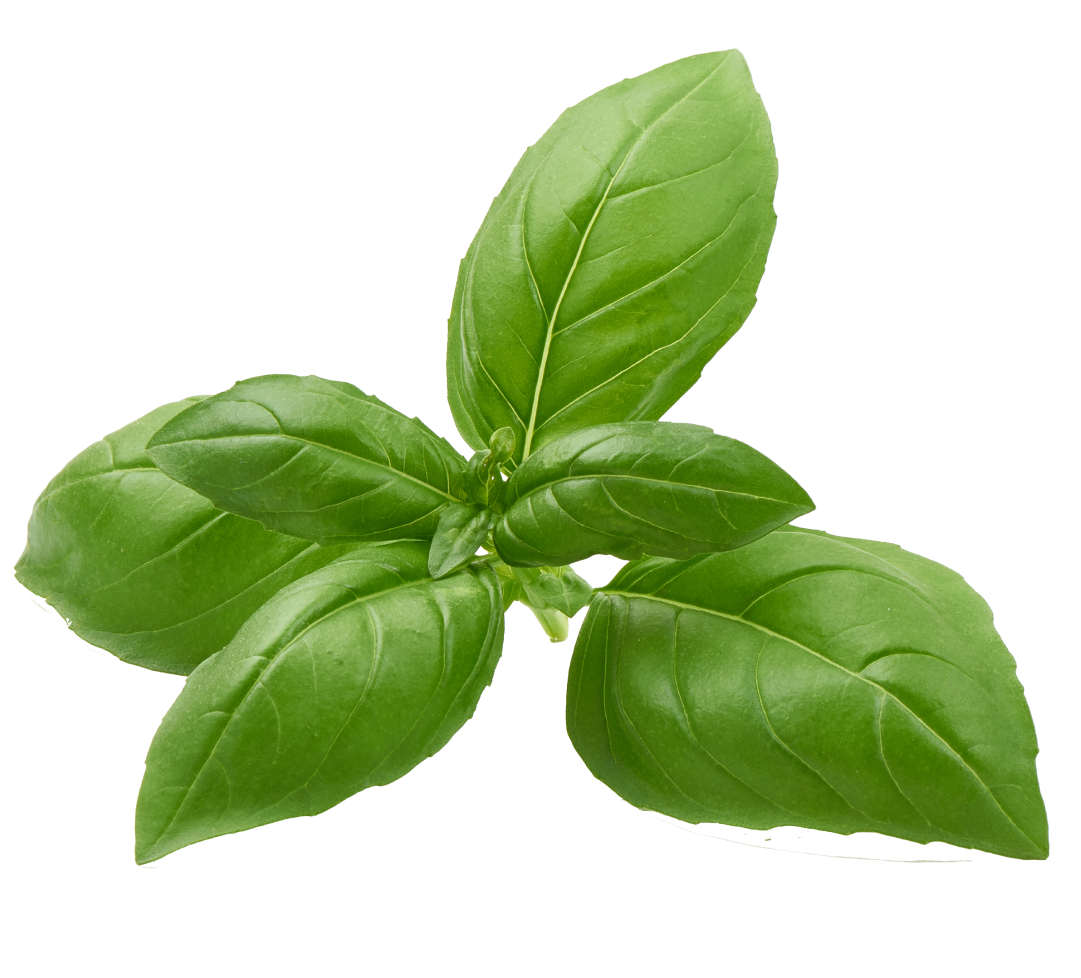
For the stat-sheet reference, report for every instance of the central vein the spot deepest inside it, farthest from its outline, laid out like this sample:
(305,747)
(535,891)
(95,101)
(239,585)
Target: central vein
(555,314)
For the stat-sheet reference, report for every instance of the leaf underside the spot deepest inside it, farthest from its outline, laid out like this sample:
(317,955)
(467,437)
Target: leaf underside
(809,680)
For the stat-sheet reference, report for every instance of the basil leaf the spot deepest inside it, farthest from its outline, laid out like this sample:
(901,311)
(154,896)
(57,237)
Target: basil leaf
(672,490)
(346,679)
(501,445)
(142,566)
(623,252)
(314,458)
(809,680)
(461,531)
(554,587)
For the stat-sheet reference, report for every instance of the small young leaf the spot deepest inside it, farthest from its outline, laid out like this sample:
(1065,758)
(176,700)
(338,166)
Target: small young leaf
(502,445)
(313,458)
(461,531)
(483,483)
(622,254)
(642,487)
(554,587)
(809,680)
(346,679)
(148,569)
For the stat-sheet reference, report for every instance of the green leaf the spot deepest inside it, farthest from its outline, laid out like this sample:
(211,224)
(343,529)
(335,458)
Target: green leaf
(461,531)
(809,680)
(483,483)
(483,475)
(313,458)
(144,567)
(554,587)
(642,487)
(624,251)
(346,679)
(502,445)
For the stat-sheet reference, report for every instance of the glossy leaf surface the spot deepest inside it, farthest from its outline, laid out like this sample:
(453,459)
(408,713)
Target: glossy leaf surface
(642,487)
(346,679)
(624,251)
(461,531)
(484,483)
(144,567)
(314,458)
(809,680)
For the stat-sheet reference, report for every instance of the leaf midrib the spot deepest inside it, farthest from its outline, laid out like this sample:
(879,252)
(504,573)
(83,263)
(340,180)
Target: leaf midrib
(637,478)
(581,247)
(652,353)
(559,302)
(313,444)
(818,655)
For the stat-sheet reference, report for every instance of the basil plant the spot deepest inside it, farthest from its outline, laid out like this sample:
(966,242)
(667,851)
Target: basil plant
(332,576)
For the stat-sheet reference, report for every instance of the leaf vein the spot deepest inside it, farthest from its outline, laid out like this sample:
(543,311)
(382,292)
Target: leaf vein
(904,707)
(652,353)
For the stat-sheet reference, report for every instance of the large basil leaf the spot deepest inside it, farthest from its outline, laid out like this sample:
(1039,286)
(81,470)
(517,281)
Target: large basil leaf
(346,679)
(314,458)
(623,252)
(144,567)
(809,680)
(642,487)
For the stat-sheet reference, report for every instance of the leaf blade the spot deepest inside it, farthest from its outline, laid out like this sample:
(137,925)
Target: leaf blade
(145,568)
(671,490)
(347,679)
(623,252)
(313,458)
(461,531)
(809,680)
